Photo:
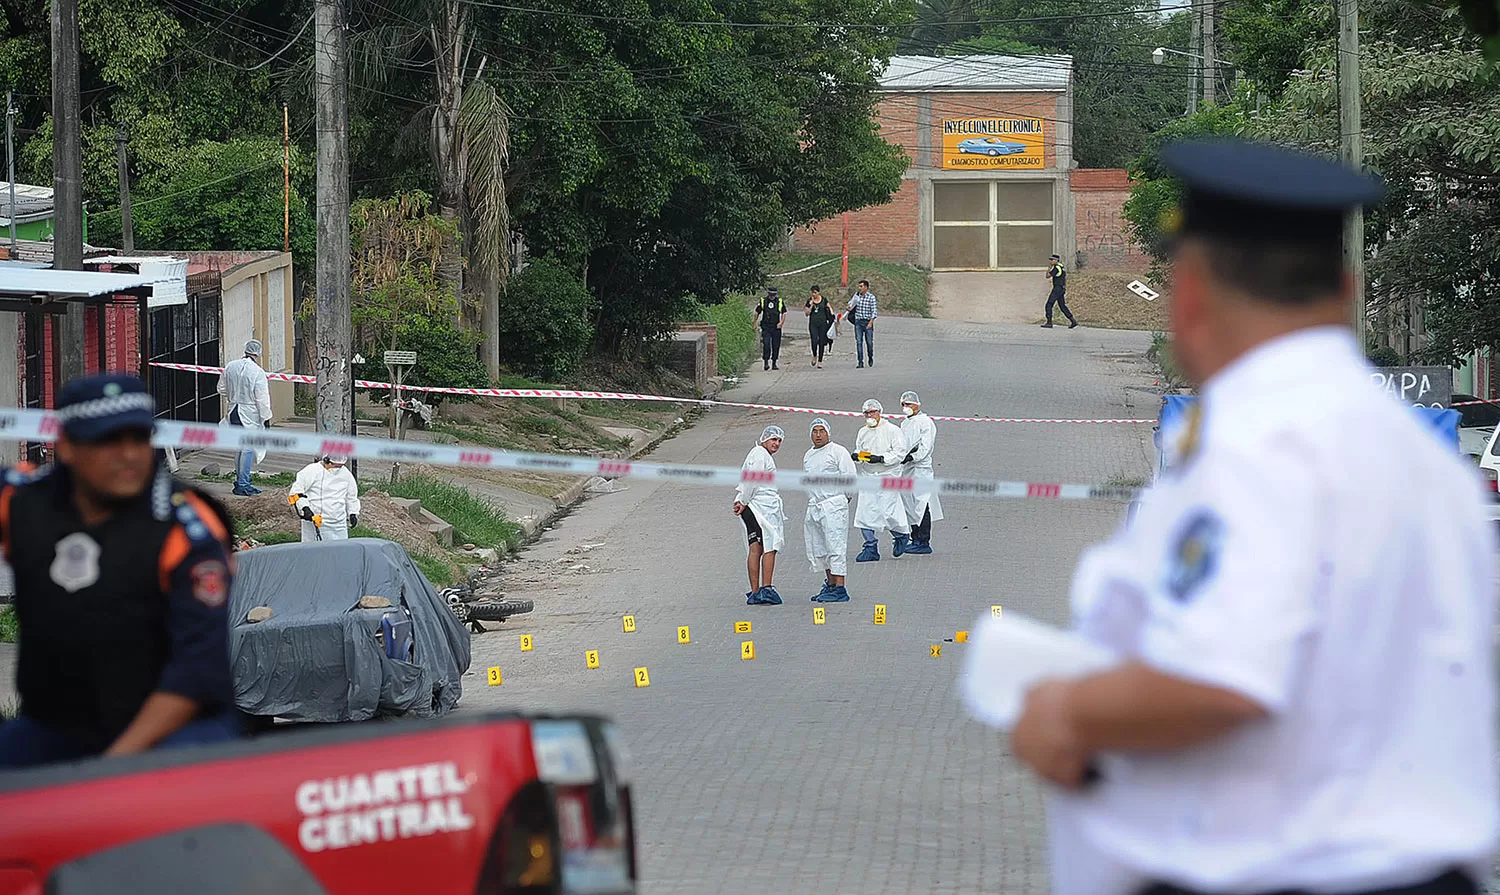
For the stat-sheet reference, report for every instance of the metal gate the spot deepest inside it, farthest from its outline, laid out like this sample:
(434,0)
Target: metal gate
(187,334)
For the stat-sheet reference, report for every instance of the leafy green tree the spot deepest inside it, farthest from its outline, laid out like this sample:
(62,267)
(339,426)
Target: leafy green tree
(545,313)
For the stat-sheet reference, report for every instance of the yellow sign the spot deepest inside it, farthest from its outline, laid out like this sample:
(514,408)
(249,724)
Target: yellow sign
(977,144)
(629,623)
(820,615)
(747,649)
(994,612)
(642,679)
(961,637)
(525,643)
(879,613)
(683,636)
(495,678)
(742,627)
(935,651)
(591,658)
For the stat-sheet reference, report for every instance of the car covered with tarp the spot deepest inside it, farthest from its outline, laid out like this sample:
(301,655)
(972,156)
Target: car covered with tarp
(341,631)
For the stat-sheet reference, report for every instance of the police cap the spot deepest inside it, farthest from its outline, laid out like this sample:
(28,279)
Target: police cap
(92,408)
(1243,190)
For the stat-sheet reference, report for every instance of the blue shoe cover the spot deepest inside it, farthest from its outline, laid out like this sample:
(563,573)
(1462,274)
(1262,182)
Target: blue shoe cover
(902,541)
(871,553)
(769,596)
(919,549)
(837,595)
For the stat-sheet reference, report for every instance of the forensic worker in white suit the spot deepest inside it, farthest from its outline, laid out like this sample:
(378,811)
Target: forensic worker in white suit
(825,532)
(922,510)
(326,497)
(758,504)
(878,451)
(248,392)
(1304,603)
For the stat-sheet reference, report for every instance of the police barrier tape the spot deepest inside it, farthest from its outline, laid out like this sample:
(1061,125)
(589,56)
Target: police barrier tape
(619,396)
(41,425)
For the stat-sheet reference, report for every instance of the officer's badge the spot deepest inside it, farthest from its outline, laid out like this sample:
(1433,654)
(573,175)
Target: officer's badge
(210,582)
(76,563)
(1195,555)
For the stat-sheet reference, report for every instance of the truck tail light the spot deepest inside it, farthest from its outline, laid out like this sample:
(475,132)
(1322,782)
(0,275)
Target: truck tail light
(1491,478)
(571,831)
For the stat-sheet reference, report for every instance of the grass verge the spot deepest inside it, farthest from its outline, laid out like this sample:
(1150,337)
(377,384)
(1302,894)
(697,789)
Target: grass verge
(1100,298)
(275,479)
(436,570)
(900,289)
(1160,353)
(9,708)
(736,332)
(473,519)
(10,629)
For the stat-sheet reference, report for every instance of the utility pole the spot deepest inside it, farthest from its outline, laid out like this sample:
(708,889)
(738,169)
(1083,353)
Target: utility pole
(10,162)
(127,230)
(1210,64)
(1352,149)
(1195,40)
(286,180)
(335,373)
(67,187)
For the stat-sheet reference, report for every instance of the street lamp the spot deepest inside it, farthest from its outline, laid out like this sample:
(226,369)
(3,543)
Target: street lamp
(1160,53)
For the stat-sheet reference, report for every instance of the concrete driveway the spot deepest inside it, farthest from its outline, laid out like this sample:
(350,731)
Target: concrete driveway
(988,296)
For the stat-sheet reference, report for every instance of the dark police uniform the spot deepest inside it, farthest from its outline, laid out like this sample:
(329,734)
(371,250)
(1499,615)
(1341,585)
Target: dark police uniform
(770,309)
(111,613)
(1059,277)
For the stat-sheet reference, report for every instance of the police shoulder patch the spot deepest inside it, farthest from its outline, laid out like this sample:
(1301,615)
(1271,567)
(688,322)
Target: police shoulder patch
(1194,556)
(210,582)
(17,475)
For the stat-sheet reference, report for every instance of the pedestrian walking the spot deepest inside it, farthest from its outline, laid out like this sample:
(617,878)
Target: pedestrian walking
(862,313)
(878,451)
(1304,605)
(245,385)
(771,315)
(759,507)
(825,533)
(922,510)
(820,320)
(1059,294)
(122,577)
(326,497)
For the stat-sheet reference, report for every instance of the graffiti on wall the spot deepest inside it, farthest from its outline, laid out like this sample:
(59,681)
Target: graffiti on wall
(1103,238)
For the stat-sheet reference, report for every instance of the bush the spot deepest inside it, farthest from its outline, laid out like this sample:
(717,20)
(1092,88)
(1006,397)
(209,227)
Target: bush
(446,356)
(10,628)
(1384,356)
(545,326)
(1160,353)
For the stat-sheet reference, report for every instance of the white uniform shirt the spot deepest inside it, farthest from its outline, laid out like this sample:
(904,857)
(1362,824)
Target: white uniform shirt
(332,493)
(1323,554)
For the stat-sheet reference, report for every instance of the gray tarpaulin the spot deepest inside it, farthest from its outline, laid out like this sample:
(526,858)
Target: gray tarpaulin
(317,657)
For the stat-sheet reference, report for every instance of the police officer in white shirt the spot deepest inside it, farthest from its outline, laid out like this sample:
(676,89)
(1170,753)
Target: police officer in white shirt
(1305,602)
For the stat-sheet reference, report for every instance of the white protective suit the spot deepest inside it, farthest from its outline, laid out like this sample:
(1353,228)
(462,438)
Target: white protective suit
(879,510)
(245,384)
(826,531)
(332,494)
(763,500)
(920,433)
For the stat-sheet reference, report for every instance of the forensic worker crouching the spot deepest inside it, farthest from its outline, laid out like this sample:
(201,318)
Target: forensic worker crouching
(122,578)
(326,498)
(1304,604)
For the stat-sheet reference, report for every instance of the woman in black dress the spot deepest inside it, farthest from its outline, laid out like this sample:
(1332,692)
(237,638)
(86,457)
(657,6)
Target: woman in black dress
(819,320)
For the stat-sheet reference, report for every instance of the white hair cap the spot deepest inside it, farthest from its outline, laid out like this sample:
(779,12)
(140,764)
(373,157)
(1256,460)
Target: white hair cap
(819,422)
(911,398)
(771,432)
(873,404)
(252,347)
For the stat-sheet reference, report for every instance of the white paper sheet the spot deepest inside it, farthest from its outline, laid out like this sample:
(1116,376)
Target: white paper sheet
(1009,655)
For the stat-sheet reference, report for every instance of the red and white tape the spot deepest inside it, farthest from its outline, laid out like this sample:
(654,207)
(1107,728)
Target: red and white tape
(42,425)
(626,396)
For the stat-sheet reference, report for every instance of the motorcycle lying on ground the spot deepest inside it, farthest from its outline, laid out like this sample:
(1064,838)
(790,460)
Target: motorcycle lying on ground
(471,607)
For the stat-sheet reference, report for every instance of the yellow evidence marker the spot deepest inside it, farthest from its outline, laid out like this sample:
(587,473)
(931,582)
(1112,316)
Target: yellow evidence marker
(994,612)
(747,650)
(642,679)
(683,635)
(629,624)
(495,678)
(591,658)
(742,627)
(935,651)
(526,643)
(961,637)
(820,615)
(879,613)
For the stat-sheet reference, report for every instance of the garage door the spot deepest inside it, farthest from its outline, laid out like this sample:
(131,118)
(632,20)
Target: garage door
(991,225)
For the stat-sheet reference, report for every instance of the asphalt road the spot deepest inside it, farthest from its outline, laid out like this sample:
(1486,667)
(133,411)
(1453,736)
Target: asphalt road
(839,758)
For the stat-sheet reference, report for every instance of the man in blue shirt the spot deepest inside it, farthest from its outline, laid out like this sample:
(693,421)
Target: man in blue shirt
(862,313)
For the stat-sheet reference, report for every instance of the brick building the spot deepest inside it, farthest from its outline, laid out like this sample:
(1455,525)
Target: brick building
(990,186)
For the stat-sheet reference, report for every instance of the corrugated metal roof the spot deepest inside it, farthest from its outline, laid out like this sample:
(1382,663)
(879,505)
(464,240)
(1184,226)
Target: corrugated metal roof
(63,284)
(33,203)
(978,73)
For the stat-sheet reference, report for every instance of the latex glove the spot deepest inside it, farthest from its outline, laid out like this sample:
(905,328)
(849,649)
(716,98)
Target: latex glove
(307,513)
(877,458)
(910,456)
(353,520)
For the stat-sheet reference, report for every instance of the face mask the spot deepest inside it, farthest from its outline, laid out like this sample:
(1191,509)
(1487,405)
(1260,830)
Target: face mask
(910,411)
(872,423)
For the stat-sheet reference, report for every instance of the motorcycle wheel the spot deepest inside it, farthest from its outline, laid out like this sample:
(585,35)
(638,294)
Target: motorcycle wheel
(498,610)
